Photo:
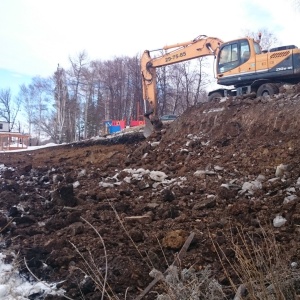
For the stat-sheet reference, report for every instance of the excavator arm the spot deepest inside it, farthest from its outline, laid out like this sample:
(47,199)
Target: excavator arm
(199,47)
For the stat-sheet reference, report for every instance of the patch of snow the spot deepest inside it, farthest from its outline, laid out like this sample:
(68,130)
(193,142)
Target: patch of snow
(213,110)
(15,287)
(29,148)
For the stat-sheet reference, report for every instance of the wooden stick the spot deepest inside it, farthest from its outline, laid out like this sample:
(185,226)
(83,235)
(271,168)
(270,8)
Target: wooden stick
(176,262)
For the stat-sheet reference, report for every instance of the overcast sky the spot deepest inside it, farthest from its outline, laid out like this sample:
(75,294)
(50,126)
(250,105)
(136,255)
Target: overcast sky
(36,35)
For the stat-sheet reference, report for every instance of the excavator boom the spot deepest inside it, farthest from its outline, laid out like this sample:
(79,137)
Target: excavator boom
(199,47)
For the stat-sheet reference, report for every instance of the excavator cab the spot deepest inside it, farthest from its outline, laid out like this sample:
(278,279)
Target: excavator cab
(235,59)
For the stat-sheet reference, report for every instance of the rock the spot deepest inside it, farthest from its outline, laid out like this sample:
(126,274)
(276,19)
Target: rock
(13,212)
(206,203)
(136,235)
(3,220)
(174,239)
(76,228)
(67,197)
(168,195)
(251,187)
(227,193)
(279,221)
(217,177)
(290,198)
(280,170)
(158,176)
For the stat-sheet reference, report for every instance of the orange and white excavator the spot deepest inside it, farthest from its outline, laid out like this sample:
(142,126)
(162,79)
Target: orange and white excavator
(240,63)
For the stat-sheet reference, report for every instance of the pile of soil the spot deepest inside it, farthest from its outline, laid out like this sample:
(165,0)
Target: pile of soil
(223,170)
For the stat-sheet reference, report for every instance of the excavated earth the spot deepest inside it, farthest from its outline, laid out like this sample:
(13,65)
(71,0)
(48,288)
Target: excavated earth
(122,206)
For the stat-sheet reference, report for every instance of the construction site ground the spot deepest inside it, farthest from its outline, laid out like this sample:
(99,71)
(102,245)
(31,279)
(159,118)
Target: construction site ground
(125,205)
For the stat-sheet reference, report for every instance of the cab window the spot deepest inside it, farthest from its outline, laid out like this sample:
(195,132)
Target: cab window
(257,48)
(245,51)
(228,58)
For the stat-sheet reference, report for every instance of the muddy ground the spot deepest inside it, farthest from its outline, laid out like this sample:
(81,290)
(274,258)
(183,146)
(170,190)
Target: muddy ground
(222,171)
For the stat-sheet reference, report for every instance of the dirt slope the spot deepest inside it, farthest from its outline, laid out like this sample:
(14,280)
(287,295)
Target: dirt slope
(220,166)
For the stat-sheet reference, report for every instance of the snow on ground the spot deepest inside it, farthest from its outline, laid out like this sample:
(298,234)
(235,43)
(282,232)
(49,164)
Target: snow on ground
(14,286)
(109,136)
(29,148)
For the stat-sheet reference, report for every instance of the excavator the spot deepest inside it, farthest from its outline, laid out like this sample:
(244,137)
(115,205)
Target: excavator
(241,66)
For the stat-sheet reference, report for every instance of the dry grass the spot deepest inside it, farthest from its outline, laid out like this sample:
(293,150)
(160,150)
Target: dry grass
(179,284)
(92,271)
(187,284)
(262,268)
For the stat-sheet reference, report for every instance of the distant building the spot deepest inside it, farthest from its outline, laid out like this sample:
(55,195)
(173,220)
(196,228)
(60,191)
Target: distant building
(12,140)
(4,126)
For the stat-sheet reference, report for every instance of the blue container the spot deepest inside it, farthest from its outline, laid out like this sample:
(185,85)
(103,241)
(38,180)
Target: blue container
(114,128)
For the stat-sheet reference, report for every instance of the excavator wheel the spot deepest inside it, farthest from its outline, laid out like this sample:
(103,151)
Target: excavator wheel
(214,96)
(267,89)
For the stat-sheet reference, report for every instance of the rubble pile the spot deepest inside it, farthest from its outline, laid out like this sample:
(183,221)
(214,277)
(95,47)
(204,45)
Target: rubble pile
(225,167)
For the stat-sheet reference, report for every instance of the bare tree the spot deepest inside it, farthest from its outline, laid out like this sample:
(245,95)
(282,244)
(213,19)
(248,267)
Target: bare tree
(61,98)
(201,80)
(112,77)
(49,127)
(40,92)
(268,38)
(187,81)
(99,107)
(134,96)
(74,103)
(74,116)
(175,95)
(162,79)
(9,109)
(27,105)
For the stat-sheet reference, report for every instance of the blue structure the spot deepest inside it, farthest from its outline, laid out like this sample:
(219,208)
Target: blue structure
(114,128)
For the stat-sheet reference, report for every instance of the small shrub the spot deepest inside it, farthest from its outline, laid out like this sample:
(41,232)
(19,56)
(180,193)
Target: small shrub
(187,284)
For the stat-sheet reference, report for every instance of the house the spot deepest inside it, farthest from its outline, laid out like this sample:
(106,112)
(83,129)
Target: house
(4,126)
(12,140)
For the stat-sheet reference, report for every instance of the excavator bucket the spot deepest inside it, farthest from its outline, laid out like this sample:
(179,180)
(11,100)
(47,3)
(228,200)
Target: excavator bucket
(148,129)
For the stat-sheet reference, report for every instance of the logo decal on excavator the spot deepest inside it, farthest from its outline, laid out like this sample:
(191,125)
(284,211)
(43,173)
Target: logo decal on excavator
(284,68)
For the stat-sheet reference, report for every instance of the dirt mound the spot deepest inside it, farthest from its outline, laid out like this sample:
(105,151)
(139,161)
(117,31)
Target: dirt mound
(223,165)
